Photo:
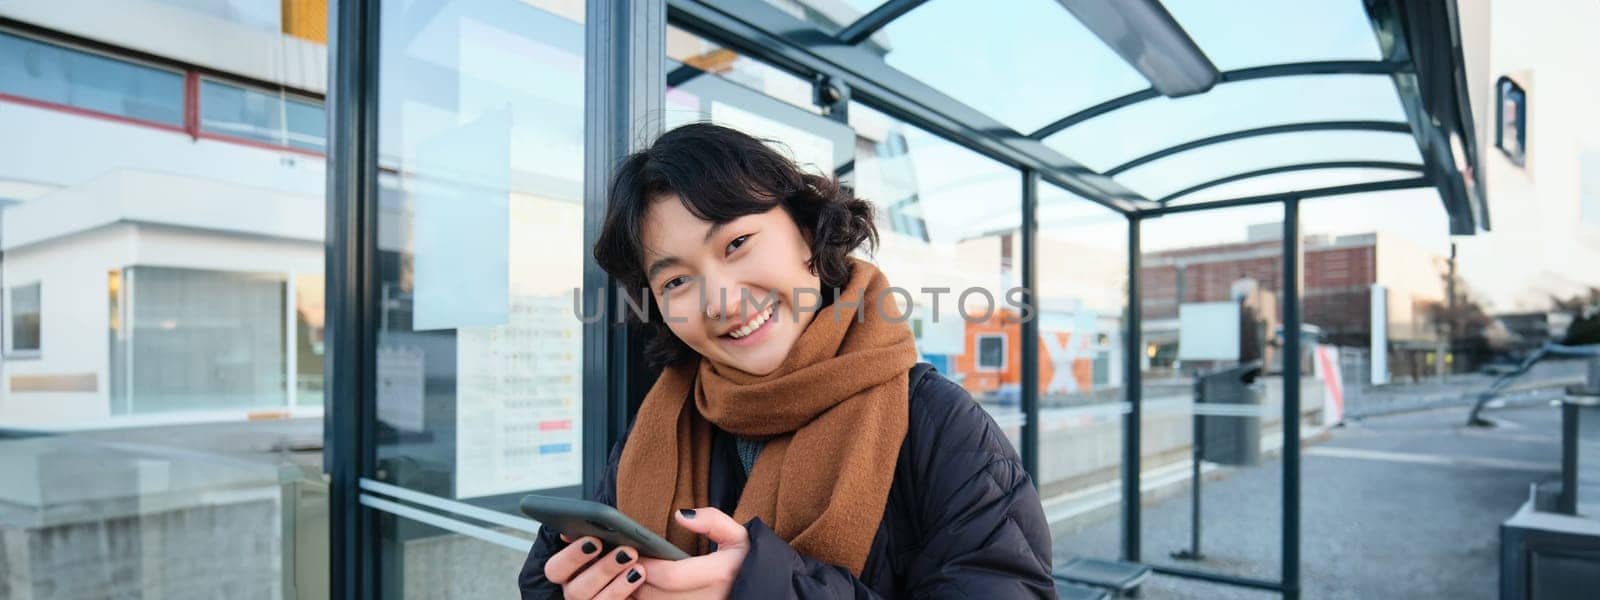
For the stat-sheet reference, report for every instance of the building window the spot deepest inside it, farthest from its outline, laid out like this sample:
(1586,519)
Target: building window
(310,338)
(57,76)
(272,118)
(200,340)
(25,311)
(1511,131)
(43,72)
(992,352)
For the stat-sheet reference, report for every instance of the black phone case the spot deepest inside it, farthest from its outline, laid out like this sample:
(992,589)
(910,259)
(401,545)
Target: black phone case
(578,518)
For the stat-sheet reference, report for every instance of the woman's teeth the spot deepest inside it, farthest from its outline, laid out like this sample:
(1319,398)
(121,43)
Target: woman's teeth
(753,325)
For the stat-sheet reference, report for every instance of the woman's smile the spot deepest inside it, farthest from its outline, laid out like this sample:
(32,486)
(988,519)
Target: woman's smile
(754,330)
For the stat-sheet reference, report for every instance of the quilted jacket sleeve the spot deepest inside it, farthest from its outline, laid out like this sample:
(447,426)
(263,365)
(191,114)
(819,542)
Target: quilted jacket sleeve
(982,527)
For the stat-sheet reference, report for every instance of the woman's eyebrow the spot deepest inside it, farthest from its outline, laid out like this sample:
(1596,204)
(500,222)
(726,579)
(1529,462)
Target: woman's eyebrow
(712,232)
(659,264)
(668,261)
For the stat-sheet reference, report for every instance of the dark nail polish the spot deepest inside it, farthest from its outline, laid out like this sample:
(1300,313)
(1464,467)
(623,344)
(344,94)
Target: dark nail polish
(688,513)
(633,575)
(589,548)
(623,558)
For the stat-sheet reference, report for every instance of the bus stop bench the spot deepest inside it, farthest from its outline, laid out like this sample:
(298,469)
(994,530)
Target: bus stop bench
(1113,575)
(1067,590)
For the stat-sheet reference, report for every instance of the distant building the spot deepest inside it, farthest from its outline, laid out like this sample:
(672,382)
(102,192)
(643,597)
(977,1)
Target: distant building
(1336,294)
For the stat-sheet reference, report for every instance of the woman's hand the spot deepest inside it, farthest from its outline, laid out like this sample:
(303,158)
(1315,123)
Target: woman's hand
(583,573)
(709,576)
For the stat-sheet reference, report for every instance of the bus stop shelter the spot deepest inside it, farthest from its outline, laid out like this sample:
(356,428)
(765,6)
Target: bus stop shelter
(1132,89)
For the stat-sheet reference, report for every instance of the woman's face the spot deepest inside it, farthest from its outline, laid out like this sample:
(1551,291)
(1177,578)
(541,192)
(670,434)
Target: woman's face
(729,291)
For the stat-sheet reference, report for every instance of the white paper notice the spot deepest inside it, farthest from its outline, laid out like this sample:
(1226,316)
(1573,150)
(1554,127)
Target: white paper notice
(518,400)
(400,388)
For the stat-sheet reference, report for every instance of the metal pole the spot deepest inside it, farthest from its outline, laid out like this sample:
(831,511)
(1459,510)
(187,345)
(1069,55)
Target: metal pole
(1030,326)
(1132,380)
(624,91)
(1291,398)
(350,267)
(1197,450)
(1195,483)
(1567,502)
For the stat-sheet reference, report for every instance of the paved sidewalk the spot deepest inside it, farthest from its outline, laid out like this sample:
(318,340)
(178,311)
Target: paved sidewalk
(1403,506)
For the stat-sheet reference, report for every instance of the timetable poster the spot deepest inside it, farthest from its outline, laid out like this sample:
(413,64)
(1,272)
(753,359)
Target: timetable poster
(518,400)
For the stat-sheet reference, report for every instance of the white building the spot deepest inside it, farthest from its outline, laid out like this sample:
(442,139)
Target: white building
(161,210)
(1545,236)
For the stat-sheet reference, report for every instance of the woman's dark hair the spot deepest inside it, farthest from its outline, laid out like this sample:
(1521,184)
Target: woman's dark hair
(721,174)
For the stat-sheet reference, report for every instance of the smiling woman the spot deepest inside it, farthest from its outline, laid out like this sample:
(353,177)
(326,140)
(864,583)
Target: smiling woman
(694,225)
(790,452)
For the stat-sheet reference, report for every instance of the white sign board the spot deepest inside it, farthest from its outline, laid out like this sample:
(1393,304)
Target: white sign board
(462,226)
(1380,335)
(1208,331)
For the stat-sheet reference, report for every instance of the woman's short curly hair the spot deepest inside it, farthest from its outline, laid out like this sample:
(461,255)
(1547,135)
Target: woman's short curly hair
(721,174)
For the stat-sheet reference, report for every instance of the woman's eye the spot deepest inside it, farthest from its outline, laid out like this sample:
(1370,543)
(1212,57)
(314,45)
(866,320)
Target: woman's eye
(737,242)
(674,283)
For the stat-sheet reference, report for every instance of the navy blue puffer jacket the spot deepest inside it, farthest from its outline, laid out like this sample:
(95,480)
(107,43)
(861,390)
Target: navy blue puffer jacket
(962,521)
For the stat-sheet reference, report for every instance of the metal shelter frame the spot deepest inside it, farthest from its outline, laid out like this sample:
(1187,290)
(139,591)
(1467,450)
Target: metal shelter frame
(626,79)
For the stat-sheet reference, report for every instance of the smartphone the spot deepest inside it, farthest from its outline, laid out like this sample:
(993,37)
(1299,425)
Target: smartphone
(577,518)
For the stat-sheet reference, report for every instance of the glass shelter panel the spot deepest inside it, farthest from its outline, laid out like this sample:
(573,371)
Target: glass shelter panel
(1082,295)
(480,257)
(161,418)
(1212,284)
(949,231)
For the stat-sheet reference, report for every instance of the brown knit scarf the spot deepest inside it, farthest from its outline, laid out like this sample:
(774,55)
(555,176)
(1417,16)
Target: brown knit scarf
(834,415)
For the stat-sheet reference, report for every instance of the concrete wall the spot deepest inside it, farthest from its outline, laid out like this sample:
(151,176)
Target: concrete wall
(450,566)
(203,552)
(1081,451)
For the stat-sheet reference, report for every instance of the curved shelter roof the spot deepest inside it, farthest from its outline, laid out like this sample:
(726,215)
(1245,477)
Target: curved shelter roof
(1147,107)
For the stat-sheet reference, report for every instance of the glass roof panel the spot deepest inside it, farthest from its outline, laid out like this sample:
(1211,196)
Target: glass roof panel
(828,15)
(1286,182)
(1167,175)
(1133,131)
(1024,62)
(1237,34)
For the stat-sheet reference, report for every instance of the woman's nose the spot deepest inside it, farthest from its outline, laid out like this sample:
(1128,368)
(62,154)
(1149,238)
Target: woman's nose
(715,302)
